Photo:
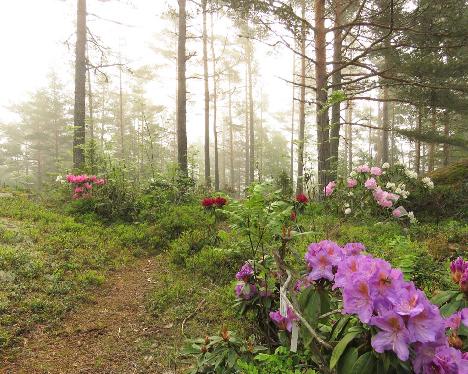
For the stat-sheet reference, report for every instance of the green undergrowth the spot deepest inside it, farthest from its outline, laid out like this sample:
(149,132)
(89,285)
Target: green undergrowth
(50,262)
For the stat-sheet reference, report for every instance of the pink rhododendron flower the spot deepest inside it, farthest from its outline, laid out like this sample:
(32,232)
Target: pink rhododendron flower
(245,291)
(376,171)
(351,182)
(245,273)
(363,169)
(329,188)
(370,184)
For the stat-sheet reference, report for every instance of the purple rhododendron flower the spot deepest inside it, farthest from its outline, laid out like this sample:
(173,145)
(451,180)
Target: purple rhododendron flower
(245,291)
(283,323)
(321,265)
(394,335)
(456,319)
(245,272)
(358,298)
(408,301)
(447,360)
(427,326)
(351,249)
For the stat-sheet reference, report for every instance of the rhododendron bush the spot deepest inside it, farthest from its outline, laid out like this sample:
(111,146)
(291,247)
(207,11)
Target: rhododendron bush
(364,315)
(376,191)
(83,184)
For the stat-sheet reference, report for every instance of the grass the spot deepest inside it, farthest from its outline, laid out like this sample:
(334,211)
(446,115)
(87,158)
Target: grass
(49,263)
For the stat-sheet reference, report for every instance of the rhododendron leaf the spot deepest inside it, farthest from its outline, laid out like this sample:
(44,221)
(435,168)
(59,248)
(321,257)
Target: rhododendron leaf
(345,364)
(311,301)
(340,348)
(365,364)
(339,326)
(443,297)
(450,308)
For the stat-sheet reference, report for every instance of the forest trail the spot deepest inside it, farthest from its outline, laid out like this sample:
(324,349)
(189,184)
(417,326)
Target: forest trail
(113,334)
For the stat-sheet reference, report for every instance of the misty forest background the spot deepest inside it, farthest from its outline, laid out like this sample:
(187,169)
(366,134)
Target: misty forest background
(370,81)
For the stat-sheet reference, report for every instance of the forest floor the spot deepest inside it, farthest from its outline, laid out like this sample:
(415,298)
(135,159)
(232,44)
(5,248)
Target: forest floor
(109,335)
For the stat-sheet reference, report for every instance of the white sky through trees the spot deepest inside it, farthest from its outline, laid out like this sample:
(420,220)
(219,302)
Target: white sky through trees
(38,36)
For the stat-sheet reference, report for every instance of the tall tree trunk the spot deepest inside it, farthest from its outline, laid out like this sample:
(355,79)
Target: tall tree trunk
(293,105)
(79,115)
(231,138)
(321,95)
(385,124)
(392,134)
(215,108)
(247,149)
(260,148)
(301,135)
(207,99)
(92,149)
(182,91)
(446,134)
(336,81)
(417,157)
(103,109)
(251,115)
(432,145)
(349,120)
(121,119)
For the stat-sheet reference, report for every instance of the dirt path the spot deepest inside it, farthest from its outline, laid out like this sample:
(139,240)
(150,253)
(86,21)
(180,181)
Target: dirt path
(113,334)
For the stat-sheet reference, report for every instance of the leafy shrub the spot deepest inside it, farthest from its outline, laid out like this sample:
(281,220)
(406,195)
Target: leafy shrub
(181,218)
(189,243)
(218,264)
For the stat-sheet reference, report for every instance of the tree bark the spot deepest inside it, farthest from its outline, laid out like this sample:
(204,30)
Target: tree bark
(336,81)
(417,157)
(301,135)
(79,115)
(247,149)
(231,137)
(293,107)
(446,134)
(215,109)
(251,115)
(432,145)
(385,124)
(182,91)
(121,119)
(321,96)
(207,99)
(349,120)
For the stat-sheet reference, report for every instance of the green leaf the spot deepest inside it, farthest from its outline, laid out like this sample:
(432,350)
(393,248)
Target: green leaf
(339,326)
(448,309)
(443,297)
(340,348)
(345,365)
(364,365)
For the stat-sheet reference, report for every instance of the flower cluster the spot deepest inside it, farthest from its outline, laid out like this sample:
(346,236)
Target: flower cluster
(459,270)
(302,198)
(245,289)
(214,202)
(380,297)
(385,195)
(283,322)
(83,184)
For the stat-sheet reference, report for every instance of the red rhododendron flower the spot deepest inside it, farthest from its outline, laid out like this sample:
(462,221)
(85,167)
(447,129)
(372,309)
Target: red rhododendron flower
(207,202)
(220,201)
(301,198)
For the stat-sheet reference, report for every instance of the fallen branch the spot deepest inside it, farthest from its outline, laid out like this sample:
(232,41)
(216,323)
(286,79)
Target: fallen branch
(200,304)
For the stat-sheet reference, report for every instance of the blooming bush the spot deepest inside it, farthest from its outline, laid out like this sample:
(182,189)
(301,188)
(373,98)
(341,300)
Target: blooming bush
(402,325)
(376,191)
(83,184)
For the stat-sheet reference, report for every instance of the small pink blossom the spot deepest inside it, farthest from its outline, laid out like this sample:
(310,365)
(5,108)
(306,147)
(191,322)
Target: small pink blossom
(330,188)
(370,184)
(375,170)
(351,182)
(363,169)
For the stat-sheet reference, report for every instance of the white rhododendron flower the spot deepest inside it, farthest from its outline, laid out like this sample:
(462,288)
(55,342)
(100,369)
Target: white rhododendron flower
(386,165)
(391,185)
(411,174)
(347,211)
(428,182)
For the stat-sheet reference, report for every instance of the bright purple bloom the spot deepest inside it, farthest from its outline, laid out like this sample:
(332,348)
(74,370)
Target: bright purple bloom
(283,323)
(370,184)
(321,265)
(375,170)
(456,319)
(358,298)
(245,272)
(351,249)
(457,268)
(427,326)
(394,335)
(245,291)
(447,360)
(408,301)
